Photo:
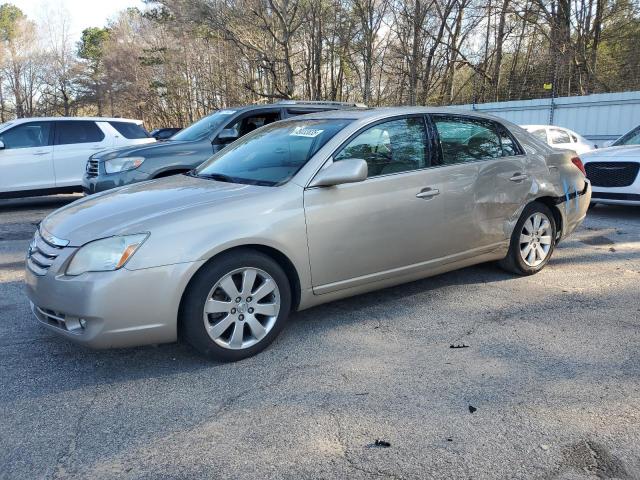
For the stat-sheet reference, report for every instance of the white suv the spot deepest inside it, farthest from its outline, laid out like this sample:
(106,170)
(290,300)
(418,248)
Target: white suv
(42,156)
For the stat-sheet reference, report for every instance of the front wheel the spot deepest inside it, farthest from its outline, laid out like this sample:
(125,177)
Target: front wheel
(532,241)
(236,305)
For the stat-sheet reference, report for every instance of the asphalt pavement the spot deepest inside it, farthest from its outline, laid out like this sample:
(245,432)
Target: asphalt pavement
(545,384)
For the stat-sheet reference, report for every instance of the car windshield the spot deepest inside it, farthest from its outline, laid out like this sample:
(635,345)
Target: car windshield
(631,138)
(204,127)
(271,155)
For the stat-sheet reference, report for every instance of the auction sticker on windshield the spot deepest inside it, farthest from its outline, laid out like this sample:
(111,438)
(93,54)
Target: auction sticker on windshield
(306,132)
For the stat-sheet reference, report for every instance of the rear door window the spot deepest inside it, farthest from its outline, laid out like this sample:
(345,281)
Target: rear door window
(27,135)
(252,122)
(509,146)
(130,130)
(464,139)
(77,131)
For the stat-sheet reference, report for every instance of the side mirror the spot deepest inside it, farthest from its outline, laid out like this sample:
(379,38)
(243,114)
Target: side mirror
(344,171)
(228,135)
(1,145)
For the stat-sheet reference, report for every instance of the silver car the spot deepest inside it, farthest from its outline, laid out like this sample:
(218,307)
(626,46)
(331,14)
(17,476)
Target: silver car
(299,213)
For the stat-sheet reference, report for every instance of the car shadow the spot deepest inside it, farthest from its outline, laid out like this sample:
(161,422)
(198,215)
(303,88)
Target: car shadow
(621,212)
(48,354)
(29,351)
(51,202)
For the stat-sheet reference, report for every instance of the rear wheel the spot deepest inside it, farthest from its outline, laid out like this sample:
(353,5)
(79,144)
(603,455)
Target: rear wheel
(236,306)
(532,242)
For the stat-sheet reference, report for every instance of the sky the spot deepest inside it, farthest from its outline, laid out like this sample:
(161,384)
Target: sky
(81,13)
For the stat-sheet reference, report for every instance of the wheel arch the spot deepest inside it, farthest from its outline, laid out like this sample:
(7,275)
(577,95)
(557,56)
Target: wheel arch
(280,258)
(552,204)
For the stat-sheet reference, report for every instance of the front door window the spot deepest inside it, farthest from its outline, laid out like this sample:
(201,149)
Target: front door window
(390,147)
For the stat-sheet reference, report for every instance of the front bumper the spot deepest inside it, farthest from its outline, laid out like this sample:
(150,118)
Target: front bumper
(103,181)
(122,308)
(615,198)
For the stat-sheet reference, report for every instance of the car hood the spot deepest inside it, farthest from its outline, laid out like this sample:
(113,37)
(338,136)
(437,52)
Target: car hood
(170,147)
(613,153)
(139,207)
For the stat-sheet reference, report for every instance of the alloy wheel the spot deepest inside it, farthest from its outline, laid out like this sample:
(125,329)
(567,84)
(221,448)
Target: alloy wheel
(535,239)
(241,308)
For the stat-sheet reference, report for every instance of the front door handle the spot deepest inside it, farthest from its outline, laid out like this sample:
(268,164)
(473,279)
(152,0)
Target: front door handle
(40,153)
(427,193)
(518,177)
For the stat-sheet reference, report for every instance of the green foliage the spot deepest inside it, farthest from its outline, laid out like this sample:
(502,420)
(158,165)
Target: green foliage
(91,45)
(9,17)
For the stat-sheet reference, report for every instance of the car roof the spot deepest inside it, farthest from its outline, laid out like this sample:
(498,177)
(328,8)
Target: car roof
(53,119)
(383,112)
(303,104)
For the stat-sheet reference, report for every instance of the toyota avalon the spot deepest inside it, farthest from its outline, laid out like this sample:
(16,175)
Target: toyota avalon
(298,213)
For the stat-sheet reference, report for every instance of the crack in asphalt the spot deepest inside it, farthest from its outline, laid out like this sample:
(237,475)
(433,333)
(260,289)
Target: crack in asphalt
(59,470)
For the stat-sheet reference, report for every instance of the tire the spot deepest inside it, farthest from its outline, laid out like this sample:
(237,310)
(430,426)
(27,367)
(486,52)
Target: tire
(232,330)
(515,261)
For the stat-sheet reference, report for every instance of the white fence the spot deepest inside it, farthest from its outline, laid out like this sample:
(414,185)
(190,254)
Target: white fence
(599,117)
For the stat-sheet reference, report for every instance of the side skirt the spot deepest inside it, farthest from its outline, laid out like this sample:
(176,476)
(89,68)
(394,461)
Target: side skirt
(41,192)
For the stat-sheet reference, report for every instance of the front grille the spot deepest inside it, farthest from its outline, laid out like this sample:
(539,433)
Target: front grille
(612,174)
(92,168)
(41,254)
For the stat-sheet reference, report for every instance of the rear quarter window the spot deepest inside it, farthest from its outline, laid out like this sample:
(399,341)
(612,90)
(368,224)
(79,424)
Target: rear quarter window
(130,130)
(69,132)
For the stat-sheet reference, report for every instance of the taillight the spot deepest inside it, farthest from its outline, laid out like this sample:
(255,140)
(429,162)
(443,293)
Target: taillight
(578,163)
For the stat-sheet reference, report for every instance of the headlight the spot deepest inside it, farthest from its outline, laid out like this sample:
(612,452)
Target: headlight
(123,164)
(105,255)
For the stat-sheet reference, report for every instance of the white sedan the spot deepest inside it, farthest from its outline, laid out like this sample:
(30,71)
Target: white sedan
(560,137)
(613,171)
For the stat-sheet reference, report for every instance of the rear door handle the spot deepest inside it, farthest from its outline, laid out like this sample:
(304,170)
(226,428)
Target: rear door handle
(40,153)
(427,193)
(518,177)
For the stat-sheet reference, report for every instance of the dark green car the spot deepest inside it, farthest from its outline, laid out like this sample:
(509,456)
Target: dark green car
(190,147)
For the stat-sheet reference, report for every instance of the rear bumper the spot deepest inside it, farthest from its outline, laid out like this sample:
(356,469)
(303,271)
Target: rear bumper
(111,309)
(573,208)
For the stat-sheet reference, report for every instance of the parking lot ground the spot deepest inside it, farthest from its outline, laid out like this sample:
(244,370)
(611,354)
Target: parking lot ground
(552,369)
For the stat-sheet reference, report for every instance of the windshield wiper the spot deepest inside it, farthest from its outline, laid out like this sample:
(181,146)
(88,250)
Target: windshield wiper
(221,177)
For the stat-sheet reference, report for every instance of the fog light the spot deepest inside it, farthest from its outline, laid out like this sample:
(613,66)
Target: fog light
(83,323)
